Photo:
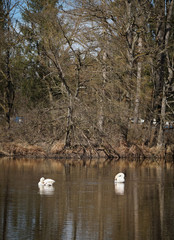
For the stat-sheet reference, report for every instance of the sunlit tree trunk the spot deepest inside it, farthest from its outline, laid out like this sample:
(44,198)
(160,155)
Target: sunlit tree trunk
(131,36)
(101,97)
(138,87)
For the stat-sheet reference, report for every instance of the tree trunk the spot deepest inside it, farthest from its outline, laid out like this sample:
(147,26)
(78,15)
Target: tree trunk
(101,98)
(69,123)
(138,88)
(167,82)
(160,140)
(9,91)
(130,36)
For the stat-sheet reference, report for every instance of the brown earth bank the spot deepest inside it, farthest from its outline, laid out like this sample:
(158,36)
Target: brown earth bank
(58,150)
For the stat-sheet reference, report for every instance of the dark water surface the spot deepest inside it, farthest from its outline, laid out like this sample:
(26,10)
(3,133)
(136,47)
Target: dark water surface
(85,204)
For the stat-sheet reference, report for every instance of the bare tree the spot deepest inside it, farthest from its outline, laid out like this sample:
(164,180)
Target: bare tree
(7,49)
(167,81)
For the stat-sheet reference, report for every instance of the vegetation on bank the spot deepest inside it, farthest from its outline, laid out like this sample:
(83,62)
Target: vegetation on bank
(59,151)
(87,78)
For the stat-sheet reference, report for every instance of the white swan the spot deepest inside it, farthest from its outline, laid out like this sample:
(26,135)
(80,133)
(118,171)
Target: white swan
(119,178)
(46,182)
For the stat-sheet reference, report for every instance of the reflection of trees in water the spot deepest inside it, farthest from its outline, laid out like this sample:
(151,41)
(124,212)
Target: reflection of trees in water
(84,203)
(4,215)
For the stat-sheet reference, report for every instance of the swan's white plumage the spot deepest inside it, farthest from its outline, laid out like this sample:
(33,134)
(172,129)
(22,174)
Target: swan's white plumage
(119,178)
(46,182)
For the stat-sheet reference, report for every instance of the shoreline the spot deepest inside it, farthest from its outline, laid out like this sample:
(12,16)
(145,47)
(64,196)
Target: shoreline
(58,151)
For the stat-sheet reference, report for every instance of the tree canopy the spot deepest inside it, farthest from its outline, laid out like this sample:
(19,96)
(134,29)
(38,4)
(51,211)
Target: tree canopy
(88,72)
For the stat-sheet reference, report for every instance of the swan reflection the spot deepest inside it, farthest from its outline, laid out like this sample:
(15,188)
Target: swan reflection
(119,188)
(46,190)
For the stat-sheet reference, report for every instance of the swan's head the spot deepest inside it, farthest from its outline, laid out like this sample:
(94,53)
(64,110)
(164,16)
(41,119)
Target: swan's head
(42,179)
(120,178)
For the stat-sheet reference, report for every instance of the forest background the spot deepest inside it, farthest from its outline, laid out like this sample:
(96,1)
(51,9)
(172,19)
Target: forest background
(88,76)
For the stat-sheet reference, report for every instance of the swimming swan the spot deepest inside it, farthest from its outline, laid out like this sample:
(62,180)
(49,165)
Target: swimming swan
(119,178)
(45,182)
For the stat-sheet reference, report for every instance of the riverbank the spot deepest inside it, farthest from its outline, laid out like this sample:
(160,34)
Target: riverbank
(58,150)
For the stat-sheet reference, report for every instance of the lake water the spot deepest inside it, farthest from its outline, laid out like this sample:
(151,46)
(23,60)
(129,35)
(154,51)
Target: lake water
(85,204)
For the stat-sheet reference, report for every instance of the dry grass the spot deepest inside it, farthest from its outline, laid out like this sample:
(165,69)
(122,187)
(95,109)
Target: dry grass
(57,147)
(58,150)
(20,149)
